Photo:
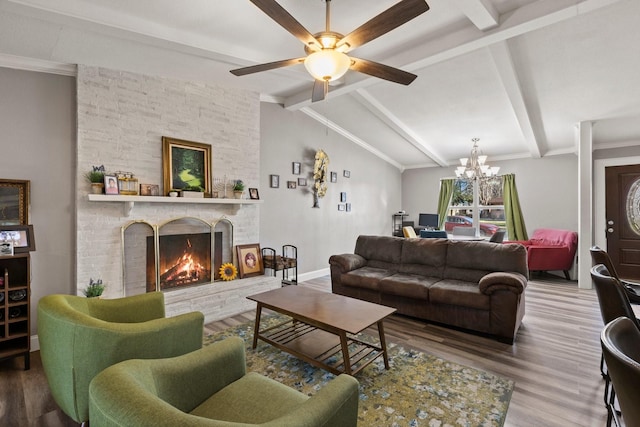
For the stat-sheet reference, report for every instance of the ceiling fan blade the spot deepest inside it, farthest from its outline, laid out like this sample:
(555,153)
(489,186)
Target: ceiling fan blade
(395,16)
(267,66)
(320,90)
(276,12)
(382,71)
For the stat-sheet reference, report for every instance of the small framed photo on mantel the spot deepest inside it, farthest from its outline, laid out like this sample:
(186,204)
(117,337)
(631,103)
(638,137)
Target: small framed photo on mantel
(111,184)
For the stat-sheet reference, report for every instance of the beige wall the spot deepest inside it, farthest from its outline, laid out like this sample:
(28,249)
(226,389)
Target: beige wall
(38,143)
(287,217)
(547,187)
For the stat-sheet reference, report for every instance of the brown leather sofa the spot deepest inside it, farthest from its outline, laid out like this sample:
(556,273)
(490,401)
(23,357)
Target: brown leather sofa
(473,285)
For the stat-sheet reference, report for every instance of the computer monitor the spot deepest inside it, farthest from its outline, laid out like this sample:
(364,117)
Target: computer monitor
(430,221)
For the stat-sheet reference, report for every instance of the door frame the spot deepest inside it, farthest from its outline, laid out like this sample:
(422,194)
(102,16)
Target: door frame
(599,196)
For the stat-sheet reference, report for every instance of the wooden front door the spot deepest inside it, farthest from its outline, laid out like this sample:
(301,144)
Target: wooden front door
(622,185)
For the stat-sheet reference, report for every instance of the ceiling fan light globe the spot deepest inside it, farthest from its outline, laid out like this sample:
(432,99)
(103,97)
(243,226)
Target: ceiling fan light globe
(327,64)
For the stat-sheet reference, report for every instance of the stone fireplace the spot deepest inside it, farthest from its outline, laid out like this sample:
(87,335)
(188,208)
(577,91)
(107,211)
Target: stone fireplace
(121,119)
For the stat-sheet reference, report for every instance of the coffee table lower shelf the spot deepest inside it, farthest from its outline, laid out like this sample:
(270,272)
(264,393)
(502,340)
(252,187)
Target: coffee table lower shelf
(321,348)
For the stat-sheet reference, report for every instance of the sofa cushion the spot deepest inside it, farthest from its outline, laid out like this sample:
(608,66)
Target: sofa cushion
(470,261)
(380,251)
(365,277)
(407,285)
(460,293)
(554,237)
(424,257)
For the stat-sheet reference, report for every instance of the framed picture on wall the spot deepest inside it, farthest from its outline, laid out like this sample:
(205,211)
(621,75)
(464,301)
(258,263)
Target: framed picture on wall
(334,176)
(274,181)
(14,201)
(186,164)
(296,168)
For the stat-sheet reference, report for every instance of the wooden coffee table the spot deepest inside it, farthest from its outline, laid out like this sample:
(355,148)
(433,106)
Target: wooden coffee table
(322,328)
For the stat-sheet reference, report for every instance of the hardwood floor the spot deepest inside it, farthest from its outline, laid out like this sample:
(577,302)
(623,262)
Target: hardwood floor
(554,362)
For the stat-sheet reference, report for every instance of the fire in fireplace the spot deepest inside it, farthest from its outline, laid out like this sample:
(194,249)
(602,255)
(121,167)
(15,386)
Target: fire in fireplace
(185,260)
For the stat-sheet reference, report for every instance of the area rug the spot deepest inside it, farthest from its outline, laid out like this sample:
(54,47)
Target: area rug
(418,390)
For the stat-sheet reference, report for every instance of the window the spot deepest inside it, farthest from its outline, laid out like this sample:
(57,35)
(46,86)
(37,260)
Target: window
(489,204)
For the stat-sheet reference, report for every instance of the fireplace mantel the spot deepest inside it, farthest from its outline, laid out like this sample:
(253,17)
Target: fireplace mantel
(129,201)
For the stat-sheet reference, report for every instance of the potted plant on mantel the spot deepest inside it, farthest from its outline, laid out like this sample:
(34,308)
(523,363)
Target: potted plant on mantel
(96,177)
(238,189)
(94,289)
(193,191)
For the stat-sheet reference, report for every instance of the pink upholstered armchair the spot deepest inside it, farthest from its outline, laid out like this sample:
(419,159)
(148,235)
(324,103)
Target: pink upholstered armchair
(550,249)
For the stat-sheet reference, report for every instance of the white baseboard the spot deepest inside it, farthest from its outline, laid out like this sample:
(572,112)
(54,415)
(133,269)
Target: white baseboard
(313,274)
(35,343)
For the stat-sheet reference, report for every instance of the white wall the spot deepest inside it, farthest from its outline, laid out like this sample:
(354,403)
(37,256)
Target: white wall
(287,216)
(547,188)
(37,124)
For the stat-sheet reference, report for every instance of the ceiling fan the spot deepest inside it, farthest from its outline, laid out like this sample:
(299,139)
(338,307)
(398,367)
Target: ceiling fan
(326,58)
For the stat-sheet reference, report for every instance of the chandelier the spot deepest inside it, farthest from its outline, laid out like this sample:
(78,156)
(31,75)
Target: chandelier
(474,166)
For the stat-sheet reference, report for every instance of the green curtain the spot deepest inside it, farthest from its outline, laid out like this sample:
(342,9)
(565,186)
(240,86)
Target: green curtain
(513,214)
(446,192)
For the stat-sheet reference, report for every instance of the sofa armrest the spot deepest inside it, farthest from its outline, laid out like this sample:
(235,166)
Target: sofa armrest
(347,262)
(499,281)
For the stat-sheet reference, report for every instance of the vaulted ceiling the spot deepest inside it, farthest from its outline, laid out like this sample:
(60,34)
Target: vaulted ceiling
(518,74)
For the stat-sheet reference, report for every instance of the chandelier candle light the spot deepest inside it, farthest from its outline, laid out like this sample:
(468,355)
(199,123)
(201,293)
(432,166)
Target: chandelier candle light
(474,166)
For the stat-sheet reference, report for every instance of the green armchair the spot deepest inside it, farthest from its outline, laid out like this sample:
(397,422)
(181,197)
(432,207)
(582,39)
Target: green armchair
(79,337)
(210,387)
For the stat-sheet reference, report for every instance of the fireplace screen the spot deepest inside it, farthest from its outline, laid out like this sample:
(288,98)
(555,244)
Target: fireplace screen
(185,260)
(189,252)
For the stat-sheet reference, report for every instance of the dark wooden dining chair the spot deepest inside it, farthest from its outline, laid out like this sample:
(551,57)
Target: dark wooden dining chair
(620,340)
(600,256)
(614,303)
